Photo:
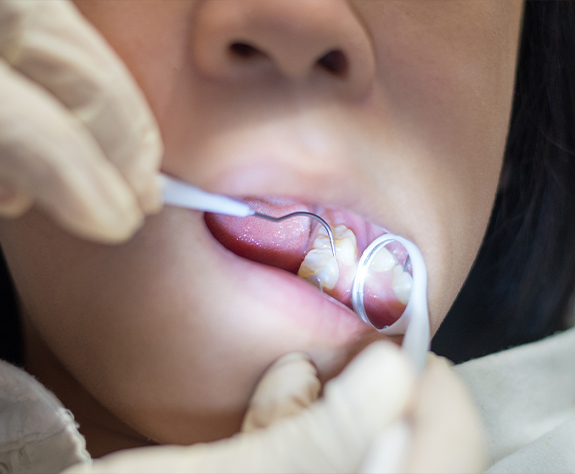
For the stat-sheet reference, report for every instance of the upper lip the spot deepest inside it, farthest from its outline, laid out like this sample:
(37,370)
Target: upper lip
(264,178)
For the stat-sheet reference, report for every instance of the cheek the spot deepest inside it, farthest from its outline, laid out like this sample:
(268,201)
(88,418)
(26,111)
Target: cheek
(153,40)
(122,322)
(445,75)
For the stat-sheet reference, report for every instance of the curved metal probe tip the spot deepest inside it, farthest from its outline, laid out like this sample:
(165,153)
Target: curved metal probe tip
(303,214)
(406,264)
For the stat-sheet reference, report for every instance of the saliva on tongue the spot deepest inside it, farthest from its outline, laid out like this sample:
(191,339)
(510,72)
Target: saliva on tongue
(284,245)
(278,244)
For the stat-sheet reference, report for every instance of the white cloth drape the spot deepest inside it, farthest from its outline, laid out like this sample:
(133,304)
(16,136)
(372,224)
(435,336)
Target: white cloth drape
(526,396)
(37,434)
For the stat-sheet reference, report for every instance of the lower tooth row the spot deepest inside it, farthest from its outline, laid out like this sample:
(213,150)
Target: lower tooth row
(321,268)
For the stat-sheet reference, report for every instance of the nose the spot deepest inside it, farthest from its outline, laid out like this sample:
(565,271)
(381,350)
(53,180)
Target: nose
(295,39)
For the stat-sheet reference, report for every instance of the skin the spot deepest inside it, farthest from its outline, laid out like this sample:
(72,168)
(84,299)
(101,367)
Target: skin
(161,339)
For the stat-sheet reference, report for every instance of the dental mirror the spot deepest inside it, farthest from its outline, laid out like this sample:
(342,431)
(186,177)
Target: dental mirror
(390,292)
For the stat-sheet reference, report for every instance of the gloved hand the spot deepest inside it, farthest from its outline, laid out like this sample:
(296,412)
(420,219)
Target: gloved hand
(76,134)
(359,425)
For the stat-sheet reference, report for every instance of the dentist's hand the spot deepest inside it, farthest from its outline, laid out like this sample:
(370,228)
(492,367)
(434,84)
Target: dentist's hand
(357,426)
(77,137)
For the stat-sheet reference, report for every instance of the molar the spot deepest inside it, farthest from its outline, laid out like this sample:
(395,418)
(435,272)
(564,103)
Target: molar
(401,283)
(345,245)
(319,263)
(383,261)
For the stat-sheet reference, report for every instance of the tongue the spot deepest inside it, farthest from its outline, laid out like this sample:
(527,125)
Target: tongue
(279,244)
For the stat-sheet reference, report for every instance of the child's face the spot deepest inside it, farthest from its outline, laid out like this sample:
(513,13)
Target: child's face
(171,331)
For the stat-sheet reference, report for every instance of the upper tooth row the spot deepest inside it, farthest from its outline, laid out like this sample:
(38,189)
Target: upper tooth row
(321,268)
(385,261)
(401,284)
(319,265)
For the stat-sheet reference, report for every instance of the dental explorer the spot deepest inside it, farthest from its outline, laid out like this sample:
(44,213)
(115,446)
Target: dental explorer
(179,193)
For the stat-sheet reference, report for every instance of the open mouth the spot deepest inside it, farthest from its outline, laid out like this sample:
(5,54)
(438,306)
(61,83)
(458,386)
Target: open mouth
(301,246)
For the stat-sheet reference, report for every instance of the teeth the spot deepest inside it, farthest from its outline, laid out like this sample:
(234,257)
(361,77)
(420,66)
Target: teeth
(401,283)
(323,270)
(345,245)
(383,261)
(319,265)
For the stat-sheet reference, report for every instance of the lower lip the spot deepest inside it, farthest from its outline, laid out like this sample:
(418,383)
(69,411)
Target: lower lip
(288,296)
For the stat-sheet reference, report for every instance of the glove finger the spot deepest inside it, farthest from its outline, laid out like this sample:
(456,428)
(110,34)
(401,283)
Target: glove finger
(47,154)
(286,388)
(447,432)
(389,451)
(335,434)
(52,44)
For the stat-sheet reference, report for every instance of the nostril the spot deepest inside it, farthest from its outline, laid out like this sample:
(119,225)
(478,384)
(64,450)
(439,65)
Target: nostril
(334,62)
(244,50)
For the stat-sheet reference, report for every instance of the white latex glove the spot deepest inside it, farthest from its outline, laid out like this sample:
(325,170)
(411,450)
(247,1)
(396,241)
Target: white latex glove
(76,134)
(285,430)
(441,434)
